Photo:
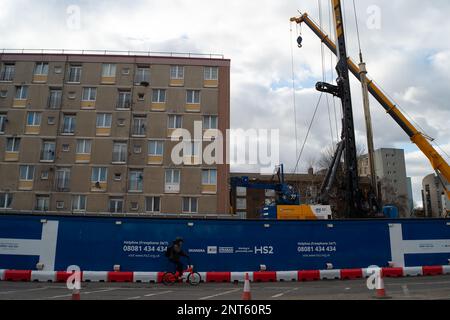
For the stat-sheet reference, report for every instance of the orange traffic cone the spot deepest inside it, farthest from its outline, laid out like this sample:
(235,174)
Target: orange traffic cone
(76,294)
(247,295)
(381,291)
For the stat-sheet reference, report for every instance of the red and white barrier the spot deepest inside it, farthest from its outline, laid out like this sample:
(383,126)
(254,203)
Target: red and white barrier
(254,276)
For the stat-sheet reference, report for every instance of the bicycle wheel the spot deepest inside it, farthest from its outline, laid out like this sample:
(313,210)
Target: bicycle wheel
(194,278)
(168,278)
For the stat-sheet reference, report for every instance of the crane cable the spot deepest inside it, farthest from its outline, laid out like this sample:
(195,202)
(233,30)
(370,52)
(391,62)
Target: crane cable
(307,133)
(324,74)
(294,100)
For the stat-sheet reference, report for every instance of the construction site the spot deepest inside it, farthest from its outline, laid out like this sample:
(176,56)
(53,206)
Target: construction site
(110,159)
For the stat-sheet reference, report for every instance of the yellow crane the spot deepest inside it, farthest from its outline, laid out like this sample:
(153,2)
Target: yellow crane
(438,163)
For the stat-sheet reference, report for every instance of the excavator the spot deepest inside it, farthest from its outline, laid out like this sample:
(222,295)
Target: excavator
(344,67)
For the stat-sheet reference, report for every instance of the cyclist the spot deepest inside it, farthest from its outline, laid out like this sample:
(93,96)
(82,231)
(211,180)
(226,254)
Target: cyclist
(174,253)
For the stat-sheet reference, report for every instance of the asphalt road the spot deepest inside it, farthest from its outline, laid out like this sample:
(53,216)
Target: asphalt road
(424,288)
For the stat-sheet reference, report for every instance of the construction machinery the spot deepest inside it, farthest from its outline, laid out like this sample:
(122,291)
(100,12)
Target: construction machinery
(286,204)
(342,90)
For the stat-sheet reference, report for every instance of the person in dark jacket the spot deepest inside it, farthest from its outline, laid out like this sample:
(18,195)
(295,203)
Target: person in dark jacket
(175,253)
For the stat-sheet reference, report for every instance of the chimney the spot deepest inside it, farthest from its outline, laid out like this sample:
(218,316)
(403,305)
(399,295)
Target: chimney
(311,171)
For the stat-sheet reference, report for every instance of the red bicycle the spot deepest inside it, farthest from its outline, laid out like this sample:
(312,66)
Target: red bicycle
(193,278)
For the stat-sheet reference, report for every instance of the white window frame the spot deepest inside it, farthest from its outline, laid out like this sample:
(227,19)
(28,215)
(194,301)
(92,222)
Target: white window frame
(151,200)
(136,180)
(72,124)
(105,118)
(122,101)
(29,173)
(44,151)
(46,202)
(36,118)
(6,197)
(208,120)
(8,72)
(15,144)
(153,149)
(89,94)
(77,203)
(21,93)
(84,146)
(173,124)
(123,152)
(62,178)
(41,69)
(140,123)
(108,70)
(116,201)
(211,177)
(158,95)
(177,72)
(54,98)
(191,201)
(211,73)
(3,118)
(142,74)
(192,97)
(170,183)
(76,75)
(100,171)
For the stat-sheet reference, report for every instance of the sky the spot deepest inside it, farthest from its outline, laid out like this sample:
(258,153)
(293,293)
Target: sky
(403,42)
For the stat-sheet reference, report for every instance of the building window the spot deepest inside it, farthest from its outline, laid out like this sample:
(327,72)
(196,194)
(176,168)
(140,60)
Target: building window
(57,69)
(210,122)
(2,123)
(136,179)
(137,149)
(125,71)
(159,96)
(176,72)
(62,180)
(74,74)
(5,200)
(33,119)
(21,92)
(119,152)
(26,173)
(41,69)
(175,121)
(89,94)
(116,205)
(99,174)
(66,147)
(108,70)
(139,126)
(142,75)
(44,175)
(48,151)
(155,148)
(42,202)
(12,144)
(124,99)
(172,181)
(69,121)
(152,204)
(117,176)
(51,120)
(54,98)
(3,93)
(84,146)
(8,72)
(79,203)
(193,96)
(190,205)
(209,177)
(211,73)
(104,120)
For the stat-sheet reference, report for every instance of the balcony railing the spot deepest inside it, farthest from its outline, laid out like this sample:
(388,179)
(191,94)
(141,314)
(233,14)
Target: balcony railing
(114,52)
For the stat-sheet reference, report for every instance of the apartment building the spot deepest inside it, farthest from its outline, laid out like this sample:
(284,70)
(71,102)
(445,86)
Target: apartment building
(390,169)
(435,201)
(90,133)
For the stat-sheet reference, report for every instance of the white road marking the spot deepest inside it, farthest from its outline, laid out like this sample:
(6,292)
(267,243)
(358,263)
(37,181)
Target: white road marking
(133,298)
(283,293)
(81,292)
(23,290)
(219,294)
(405,290)
(156,293)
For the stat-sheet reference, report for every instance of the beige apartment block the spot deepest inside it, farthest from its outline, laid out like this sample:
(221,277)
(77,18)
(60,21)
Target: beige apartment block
(90,133)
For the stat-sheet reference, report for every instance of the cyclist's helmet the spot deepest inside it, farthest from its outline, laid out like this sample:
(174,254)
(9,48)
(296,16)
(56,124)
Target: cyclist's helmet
(179,239)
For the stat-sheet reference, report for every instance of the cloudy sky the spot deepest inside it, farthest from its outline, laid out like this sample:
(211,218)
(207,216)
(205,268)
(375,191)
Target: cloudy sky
(406,50)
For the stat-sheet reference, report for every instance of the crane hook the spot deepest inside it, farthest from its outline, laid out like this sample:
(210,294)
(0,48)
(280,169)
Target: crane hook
(299,41)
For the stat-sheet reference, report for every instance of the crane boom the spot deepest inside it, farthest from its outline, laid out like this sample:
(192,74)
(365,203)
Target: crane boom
(437,161)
